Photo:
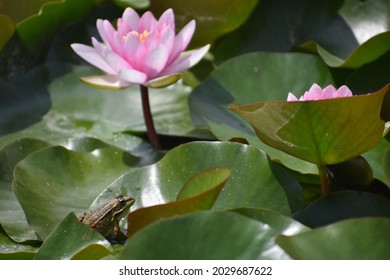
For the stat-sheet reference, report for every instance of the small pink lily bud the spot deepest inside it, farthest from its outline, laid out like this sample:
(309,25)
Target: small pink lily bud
(317,93)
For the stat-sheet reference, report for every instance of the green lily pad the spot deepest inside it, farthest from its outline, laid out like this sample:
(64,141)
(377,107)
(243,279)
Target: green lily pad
(387,166)
(78,111)
(55,181)
(203,236)
(8,29)
(20,12)
(71,239)
(12,217)
(213,19)
(206,185)
(343,205)
(136,4)
(160,183)
(11,250)
(52,16)
(356,239)
(322,131)
(271,28)
(365,53)
(378,159)
(203,181)
(280,223)
(263,77)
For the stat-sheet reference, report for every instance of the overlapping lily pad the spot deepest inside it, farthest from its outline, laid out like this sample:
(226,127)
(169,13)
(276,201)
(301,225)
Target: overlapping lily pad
(252,78)
(199,193)
(51,18)
(10,250)
(55,181)
(63,108)
(73,240)
(322,131)
(205,235)
(213,19)
(300,22)
(12,217)
(355,239)
(160,183)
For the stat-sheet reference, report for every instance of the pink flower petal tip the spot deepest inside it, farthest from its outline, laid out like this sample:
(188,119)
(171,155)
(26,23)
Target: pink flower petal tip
(317,93)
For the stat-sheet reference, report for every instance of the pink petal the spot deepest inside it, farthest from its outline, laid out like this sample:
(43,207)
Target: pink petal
(106,31)
(186,60)
(345,91)
(131,18)
(155,61)
(328,92)
(122,27)
(93,57)
(182,40)
(147,22)
(315,89)
(118,44)
(115,61)
(106,82)
(291,97)
(167,20)
(167,39)
(135,51)
(132,76)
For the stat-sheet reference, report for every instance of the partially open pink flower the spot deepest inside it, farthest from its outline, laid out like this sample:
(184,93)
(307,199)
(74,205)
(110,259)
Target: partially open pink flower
(317,93)
(142,50)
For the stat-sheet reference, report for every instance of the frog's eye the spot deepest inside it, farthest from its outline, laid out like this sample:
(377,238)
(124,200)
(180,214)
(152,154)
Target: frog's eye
(122,200)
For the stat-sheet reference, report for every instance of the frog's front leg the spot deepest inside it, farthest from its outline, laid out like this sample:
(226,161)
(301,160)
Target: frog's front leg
(117,234)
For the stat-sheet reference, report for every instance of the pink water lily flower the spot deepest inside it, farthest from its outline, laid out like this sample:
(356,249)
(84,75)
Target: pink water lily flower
(317,93)
(142,50)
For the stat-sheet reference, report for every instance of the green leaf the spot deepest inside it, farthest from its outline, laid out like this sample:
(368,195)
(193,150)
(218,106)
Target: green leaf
(263,77)
(387,166)
(213,19)
(79,111)
(280,223)
(377,158)
(356,239)
(55,181)
(343,205)
(204,236)
(52,17)
(207,185)
(8,29)
(365,53)
(271,28)
(160,183)
(10,250)
(322,131)
(203,181)
(20,12)
(71,239)
(12,217)
(136,4)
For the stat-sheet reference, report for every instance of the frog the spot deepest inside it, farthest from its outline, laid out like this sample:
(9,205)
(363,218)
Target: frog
(105,218)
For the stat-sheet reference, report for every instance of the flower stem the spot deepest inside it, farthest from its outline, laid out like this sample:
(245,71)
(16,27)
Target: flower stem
(151,131)
(324,180)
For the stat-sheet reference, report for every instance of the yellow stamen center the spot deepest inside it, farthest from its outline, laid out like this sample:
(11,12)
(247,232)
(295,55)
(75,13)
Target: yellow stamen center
(142,36)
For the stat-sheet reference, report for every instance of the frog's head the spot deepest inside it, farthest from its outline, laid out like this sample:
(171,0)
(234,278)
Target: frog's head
(123,203)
